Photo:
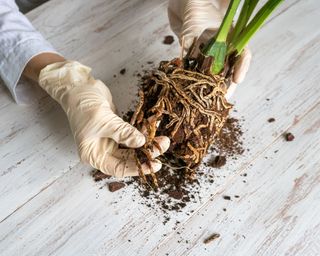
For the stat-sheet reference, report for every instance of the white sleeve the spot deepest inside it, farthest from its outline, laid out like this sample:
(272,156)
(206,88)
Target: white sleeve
(19,42)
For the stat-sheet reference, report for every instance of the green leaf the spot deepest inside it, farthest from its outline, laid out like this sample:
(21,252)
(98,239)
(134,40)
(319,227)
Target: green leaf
(255,24)
(245,14)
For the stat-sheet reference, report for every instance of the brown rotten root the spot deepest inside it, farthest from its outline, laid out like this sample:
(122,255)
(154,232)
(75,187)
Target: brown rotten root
(190,107)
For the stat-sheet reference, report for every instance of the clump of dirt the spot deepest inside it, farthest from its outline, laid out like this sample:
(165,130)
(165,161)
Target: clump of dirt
(289,136)
(168,40)
(225,197)
(123,71)
(115,185)
(217,161)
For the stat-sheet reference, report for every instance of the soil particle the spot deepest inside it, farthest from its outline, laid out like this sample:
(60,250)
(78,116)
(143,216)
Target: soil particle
(226,197)
(176,194)
(218,161)
(114,186)
(168,40)
(271,120)
(123,71)
(97,175)
(289,136)
(211,238)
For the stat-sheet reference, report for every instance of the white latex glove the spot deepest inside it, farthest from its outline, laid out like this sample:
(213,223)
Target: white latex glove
(191,19)
(96,128)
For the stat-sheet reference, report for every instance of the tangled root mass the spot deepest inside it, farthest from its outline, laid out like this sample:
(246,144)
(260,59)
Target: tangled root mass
(186,105)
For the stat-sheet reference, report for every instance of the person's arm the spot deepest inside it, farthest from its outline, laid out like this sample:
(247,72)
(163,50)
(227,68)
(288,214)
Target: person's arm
(87,102)
(39,62)
(19,43)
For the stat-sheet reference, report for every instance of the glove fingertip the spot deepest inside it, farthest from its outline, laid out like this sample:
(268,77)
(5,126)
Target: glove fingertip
(156,166)
(136,140)
(242,66)
(164,142)
(232,88)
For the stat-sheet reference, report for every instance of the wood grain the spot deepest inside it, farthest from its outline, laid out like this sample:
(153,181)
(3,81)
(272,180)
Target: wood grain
(277,208)
(49,204)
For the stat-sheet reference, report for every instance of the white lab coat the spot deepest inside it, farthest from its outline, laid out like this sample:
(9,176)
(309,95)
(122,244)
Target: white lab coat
(19,42)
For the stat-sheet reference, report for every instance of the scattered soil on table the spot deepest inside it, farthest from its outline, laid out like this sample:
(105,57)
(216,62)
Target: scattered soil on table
(211,238)
(176,187)
(289,136)
(168,40)
(271,120)
(123,71)
(179,187)
(228,143)
(114,186)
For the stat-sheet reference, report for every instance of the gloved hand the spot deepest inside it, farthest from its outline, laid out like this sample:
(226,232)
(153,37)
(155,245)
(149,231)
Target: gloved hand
(201,19)
(96,128)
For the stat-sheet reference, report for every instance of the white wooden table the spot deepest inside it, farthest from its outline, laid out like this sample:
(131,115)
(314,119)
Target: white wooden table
(50,205)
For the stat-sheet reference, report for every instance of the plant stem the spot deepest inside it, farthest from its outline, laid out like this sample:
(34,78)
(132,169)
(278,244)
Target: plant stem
(227,21)
(243,38)
(245,14)
(217,46)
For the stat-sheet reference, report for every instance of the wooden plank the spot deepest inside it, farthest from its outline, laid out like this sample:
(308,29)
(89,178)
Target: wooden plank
(66,213)
(277,209)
